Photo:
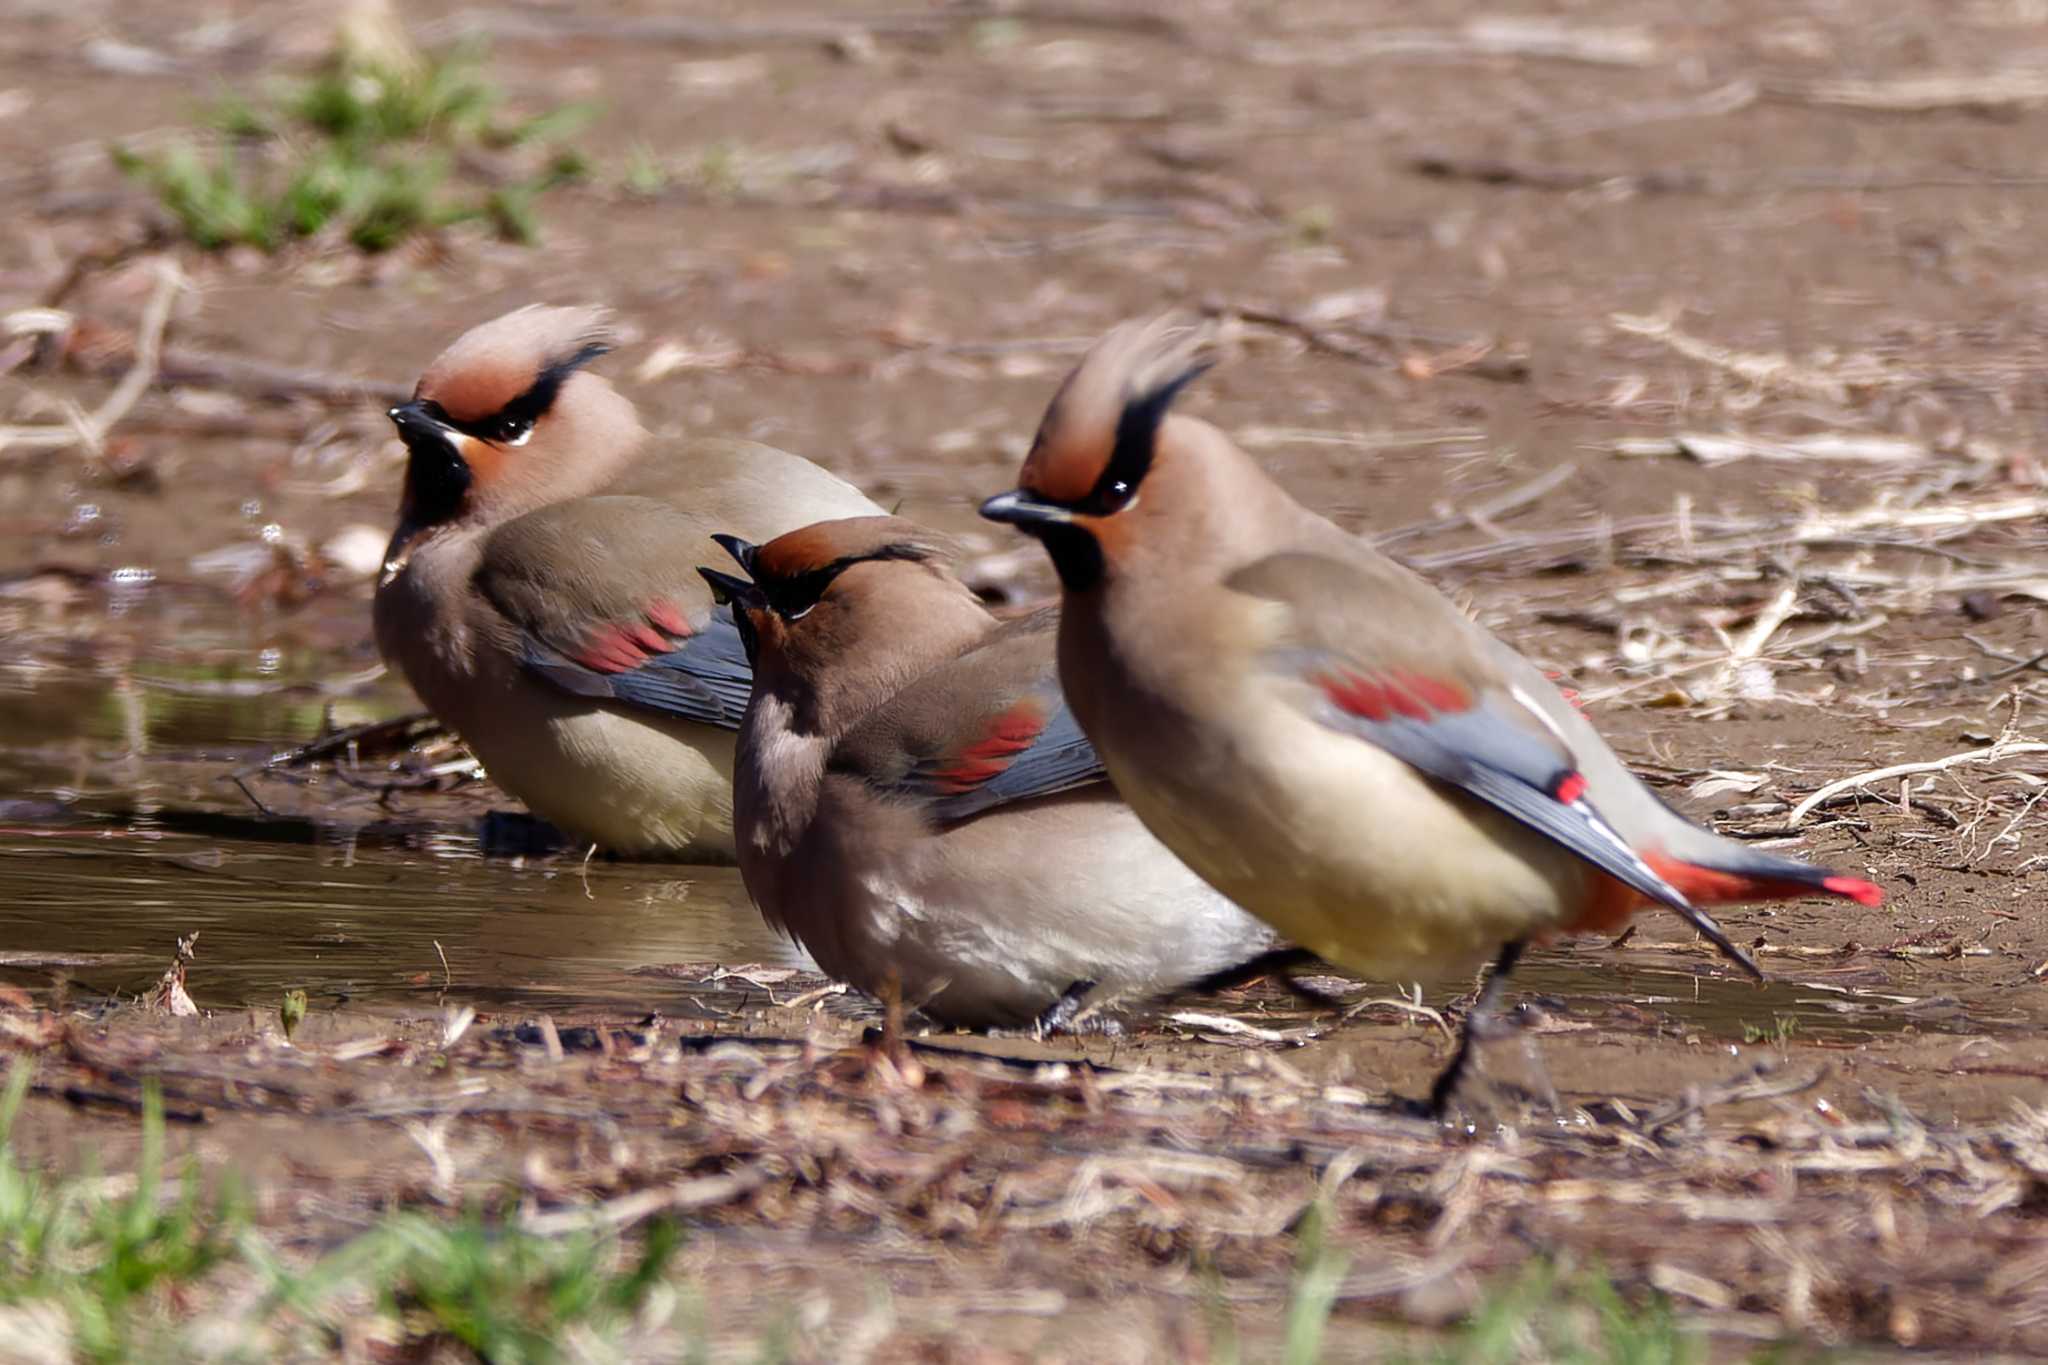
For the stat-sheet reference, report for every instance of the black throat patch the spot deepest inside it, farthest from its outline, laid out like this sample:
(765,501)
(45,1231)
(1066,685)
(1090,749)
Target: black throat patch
(1076,557)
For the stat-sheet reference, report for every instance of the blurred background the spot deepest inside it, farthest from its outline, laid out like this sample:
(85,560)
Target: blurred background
(1696,345)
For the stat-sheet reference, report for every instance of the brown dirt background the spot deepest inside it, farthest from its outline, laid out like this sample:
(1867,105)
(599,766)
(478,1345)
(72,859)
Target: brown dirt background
(883,241)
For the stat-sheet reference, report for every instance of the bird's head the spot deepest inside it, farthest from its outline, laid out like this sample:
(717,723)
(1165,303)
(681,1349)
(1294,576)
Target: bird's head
(507,419)
(819,597)
(1104,457)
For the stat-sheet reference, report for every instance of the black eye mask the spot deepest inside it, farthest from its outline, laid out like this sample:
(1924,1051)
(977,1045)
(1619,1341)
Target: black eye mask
(513,423)
(1130,459)
(792,597)
(438,475)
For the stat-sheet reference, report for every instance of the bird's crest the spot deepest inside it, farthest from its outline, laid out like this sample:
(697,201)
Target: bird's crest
(514,362)
(1098,433)
(792,572)
(850,540)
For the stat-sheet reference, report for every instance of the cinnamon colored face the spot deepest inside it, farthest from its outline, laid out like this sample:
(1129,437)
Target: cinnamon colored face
(1097,445)
(483,398)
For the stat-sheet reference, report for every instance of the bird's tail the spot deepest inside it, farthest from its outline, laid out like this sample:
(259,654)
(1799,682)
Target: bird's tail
(1727,872)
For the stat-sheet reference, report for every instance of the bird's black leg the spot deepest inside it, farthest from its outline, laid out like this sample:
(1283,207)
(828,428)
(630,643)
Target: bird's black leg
(1059,1016)
(1281,962)
(1475,1021)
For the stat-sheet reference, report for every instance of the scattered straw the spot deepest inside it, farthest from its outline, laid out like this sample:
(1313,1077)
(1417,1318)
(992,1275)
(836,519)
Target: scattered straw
(91,430)
(1992,753)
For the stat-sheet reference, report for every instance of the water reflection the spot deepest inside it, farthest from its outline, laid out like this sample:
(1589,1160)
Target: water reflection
(357,923)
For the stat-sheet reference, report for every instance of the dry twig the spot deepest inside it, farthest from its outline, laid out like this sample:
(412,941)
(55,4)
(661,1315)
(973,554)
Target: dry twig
(1921,94)
(2009,747)
(91,431)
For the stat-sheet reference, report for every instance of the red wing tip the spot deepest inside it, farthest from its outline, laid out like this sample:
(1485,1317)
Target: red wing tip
(1569,788)
(1008,735)
(1387,695)
(1855,888)
(669,618)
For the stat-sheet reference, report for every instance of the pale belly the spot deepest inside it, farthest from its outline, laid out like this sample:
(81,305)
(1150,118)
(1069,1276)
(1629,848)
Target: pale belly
(634,787)
(980,926)
(1349,852)
(632,783)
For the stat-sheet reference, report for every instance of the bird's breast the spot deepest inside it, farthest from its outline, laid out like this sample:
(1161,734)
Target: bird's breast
(1344,848)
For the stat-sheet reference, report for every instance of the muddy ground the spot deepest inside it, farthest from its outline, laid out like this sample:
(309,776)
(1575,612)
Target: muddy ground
(1697,347)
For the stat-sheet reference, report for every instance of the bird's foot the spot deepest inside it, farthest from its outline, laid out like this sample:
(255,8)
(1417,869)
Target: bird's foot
(1073,1013)
(515,834)
(1061,1013)
(1534,1091)
(1314,996)
(1481,1022)
(1540,1092)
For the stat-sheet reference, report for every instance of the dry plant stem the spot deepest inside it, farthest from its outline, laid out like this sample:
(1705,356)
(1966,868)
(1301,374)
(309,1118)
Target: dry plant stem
(92,431)
(677,31)
(271,381)
(1225,1024)
(2019,665)
(1536,175)
(1751,646)
(1759,1084)
(1410,1007)
(1921,93)
(1479,38)
(1764,369)
(709,1191)
(84,267)
(1884,525)
(1466,355)
(1993,753)
(1737,95)
(1486,170)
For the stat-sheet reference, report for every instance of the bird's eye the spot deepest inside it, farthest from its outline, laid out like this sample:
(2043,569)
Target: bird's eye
(794,597)
(793,600)
(512,431)
(1130,459)
(1110,496)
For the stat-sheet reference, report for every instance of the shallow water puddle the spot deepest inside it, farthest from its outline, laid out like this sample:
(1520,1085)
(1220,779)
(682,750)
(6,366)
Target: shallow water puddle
(367,925)
(122,827)
(363,916)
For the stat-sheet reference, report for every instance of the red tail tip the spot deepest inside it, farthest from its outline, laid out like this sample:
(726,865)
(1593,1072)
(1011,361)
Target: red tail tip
(1855,888)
